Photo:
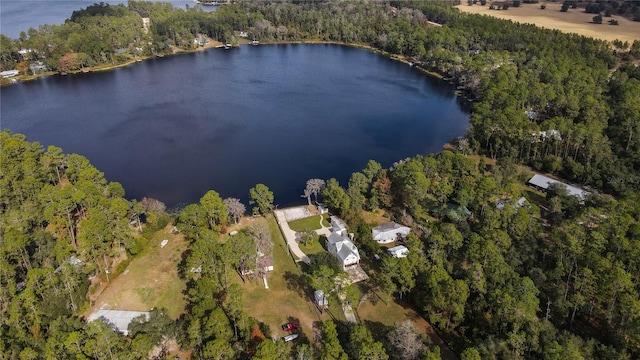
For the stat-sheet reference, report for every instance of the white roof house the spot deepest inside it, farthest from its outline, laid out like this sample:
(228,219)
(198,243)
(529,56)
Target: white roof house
(544,182)
(338,226)
(389,232)
(119,319)
(399,251)
(344,250)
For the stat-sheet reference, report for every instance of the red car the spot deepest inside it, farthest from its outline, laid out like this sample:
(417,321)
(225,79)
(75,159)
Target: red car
(290,326)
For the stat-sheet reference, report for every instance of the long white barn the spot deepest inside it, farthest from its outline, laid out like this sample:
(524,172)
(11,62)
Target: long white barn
(544,182)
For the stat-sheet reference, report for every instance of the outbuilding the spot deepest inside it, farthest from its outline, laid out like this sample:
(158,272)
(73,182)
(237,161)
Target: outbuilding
(544,183)
(399,251)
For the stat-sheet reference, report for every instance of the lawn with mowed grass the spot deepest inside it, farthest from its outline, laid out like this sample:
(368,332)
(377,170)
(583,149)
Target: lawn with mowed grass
(314,247)
(151,280)
(309,223)
(287,298)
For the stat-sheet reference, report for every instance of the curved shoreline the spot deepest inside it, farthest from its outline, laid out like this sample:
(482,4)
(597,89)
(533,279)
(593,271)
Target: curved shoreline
(215,44)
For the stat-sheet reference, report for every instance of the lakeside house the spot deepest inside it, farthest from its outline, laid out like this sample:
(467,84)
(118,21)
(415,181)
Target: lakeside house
(344,250)
(119,320)
(9,73)
(389,232)
(341,246)
(543,183)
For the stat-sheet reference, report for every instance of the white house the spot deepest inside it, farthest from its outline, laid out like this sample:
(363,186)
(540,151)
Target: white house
(399,251)
(338,226)
(344,250)
(389,232)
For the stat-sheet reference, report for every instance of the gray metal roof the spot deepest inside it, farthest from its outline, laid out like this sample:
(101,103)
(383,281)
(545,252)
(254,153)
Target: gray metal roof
(545,182)
(118,318)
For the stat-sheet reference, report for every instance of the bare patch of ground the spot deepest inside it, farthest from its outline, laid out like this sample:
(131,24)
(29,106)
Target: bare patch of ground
(573,21)
(150,281)
(297,212)
(476,159)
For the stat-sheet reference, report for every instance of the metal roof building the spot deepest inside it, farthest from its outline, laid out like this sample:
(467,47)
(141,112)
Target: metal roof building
(119,319)
(544,182)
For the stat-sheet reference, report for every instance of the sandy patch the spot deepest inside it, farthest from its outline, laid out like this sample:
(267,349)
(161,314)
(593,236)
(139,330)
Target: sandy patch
(573,21)
(295,213)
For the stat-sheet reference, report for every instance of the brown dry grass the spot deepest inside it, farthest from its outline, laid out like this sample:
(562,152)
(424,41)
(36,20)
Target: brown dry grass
(377,217)
(150,281)
(572,21)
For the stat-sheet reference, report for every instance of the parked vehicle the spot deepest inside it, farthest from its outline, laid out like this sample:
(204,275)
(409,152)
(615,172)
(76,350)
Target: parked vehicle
(290,326)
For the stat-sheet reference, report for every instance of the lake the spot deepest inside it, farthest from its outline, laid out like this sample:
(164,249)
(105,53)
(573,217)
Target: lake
(172,128)
(20,15)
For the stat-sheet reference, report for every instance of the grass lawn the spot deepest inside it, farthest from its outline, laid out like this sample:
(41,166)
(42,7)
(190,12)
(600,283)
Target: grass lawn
(325,220)
(309,223)
(314,247)
(287,298)
(151,280)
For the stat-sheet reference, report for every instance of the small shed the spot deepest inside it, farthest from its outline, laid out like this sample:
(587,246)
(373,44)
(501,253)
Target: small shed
(398,252)
(321,300)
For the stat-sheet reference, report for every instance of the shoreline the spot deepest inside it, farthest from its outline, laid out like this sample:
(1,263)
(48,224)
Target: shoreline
(216,44)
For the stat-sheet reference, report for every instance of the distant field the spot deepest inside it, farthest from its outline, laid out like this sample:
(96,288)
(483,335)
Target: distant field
(572,21)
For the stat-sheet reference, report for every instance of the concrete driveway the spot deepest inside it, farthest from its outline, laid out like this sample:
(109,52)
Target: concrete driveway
(290,237)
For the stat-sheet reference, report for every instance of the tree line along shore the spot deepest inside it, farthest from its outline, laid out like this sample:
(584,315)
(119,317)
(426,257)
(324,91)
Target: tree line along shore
(557,278)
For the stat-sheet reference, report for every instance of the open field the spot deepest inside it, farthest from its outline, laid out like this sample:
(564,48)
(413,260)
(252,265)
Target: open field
(151,280)
(573,21)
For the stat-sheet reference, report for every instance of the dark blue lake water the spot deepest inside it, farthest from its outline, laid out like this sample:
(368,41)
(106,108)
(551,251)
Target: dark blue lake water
(174,127)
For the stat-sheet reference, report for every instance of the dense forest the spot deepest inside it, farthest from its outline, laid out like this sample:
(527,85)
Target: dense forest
(555,278)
